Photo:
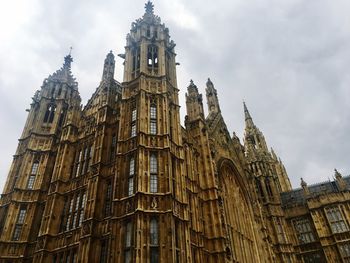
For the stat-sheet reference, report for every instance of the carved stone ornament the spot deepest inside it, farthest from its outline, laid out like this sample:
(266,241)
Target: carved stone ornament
(154,203)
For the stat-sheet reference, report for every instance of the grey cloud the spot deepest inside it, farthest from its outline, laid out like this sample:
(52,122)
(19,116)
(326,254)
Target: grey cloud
(289,60)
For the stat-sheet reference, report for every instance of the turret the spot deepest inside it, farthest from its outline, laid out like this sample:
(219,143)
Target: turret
(108,67)
(194,103)
(212,98)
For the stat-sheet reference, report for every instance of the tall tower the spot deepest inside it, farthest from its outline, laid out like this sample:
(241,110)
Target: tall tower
(25,192)
(269,179)
(149,166)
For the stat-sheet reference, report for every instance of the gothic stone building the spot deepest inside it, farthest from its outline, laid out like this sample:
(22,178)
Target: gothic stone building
(120,180)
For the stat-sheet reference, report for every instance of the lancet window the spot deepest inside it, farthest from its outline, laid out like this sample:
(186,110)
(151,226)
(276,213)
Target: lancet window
(152,57)
(304,230)
(50,113)
(128,242)
(135,62)
(131,176)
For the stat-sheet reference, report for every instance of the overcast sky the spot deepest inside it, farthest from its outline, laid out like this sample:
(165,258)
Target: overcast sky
(289,60)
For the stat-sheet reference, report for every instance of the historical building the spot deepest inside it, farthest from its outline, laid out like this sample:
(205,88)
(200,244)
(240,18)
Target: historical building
(120,180)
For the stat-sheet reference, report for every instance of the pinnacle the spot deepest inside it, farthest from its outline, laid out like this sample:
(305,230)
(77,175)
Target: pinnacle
(246,112)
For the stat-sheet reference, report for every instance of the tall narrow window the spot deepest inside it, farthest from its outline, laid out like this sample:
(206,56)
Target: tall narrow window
(152,57)
(64,215)
(304,230)
(131,176)
(35,167)
(336,220)
(133,121)
(50,113)
(60,120)
(108,198)
(69,215)
(128,241)
(104,251)
(268,188)
(154,241)
(78,163)
(345,251)
(32,175)
(153,173)
(90,156)
(153,118)
(19,223)
(279,229)
(113,147)
(259,189)
(135,62)
(81,208)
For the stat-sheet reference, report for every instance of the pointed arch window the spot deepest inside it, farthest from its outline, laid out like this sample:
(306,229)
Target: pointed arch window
(152,57)
(153,117)
(50,113)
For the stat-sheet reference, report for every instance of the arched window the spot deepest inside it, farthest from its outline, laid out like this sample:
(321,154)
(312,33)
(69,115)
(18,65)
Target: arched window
(50,113)
(152,57)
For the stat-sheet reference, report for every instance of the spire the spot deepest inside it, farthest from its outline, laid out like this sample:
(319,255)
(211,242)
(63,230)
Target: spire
(212,98)
(247,117)
(252,133)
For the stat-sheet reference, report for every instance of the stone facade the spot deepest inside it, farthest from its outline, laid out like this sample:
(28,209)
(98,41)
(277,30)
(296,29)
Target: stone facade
(120,180)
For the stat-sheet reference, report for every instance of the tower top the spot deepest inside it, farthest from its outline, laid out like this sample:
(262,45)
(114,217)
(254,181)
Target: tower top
(64,74)
(149,7)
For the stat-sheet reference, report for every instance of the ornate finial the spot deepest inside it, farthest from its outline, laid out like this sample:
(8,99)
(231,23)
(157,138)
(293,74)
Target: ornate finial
(67,61)
(70,50)
(149,7)
(191,82)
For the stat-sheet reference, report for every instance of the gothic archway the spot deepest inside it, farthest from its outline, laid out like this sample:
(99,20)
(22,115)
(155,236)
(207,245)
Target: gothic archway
(238,213)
